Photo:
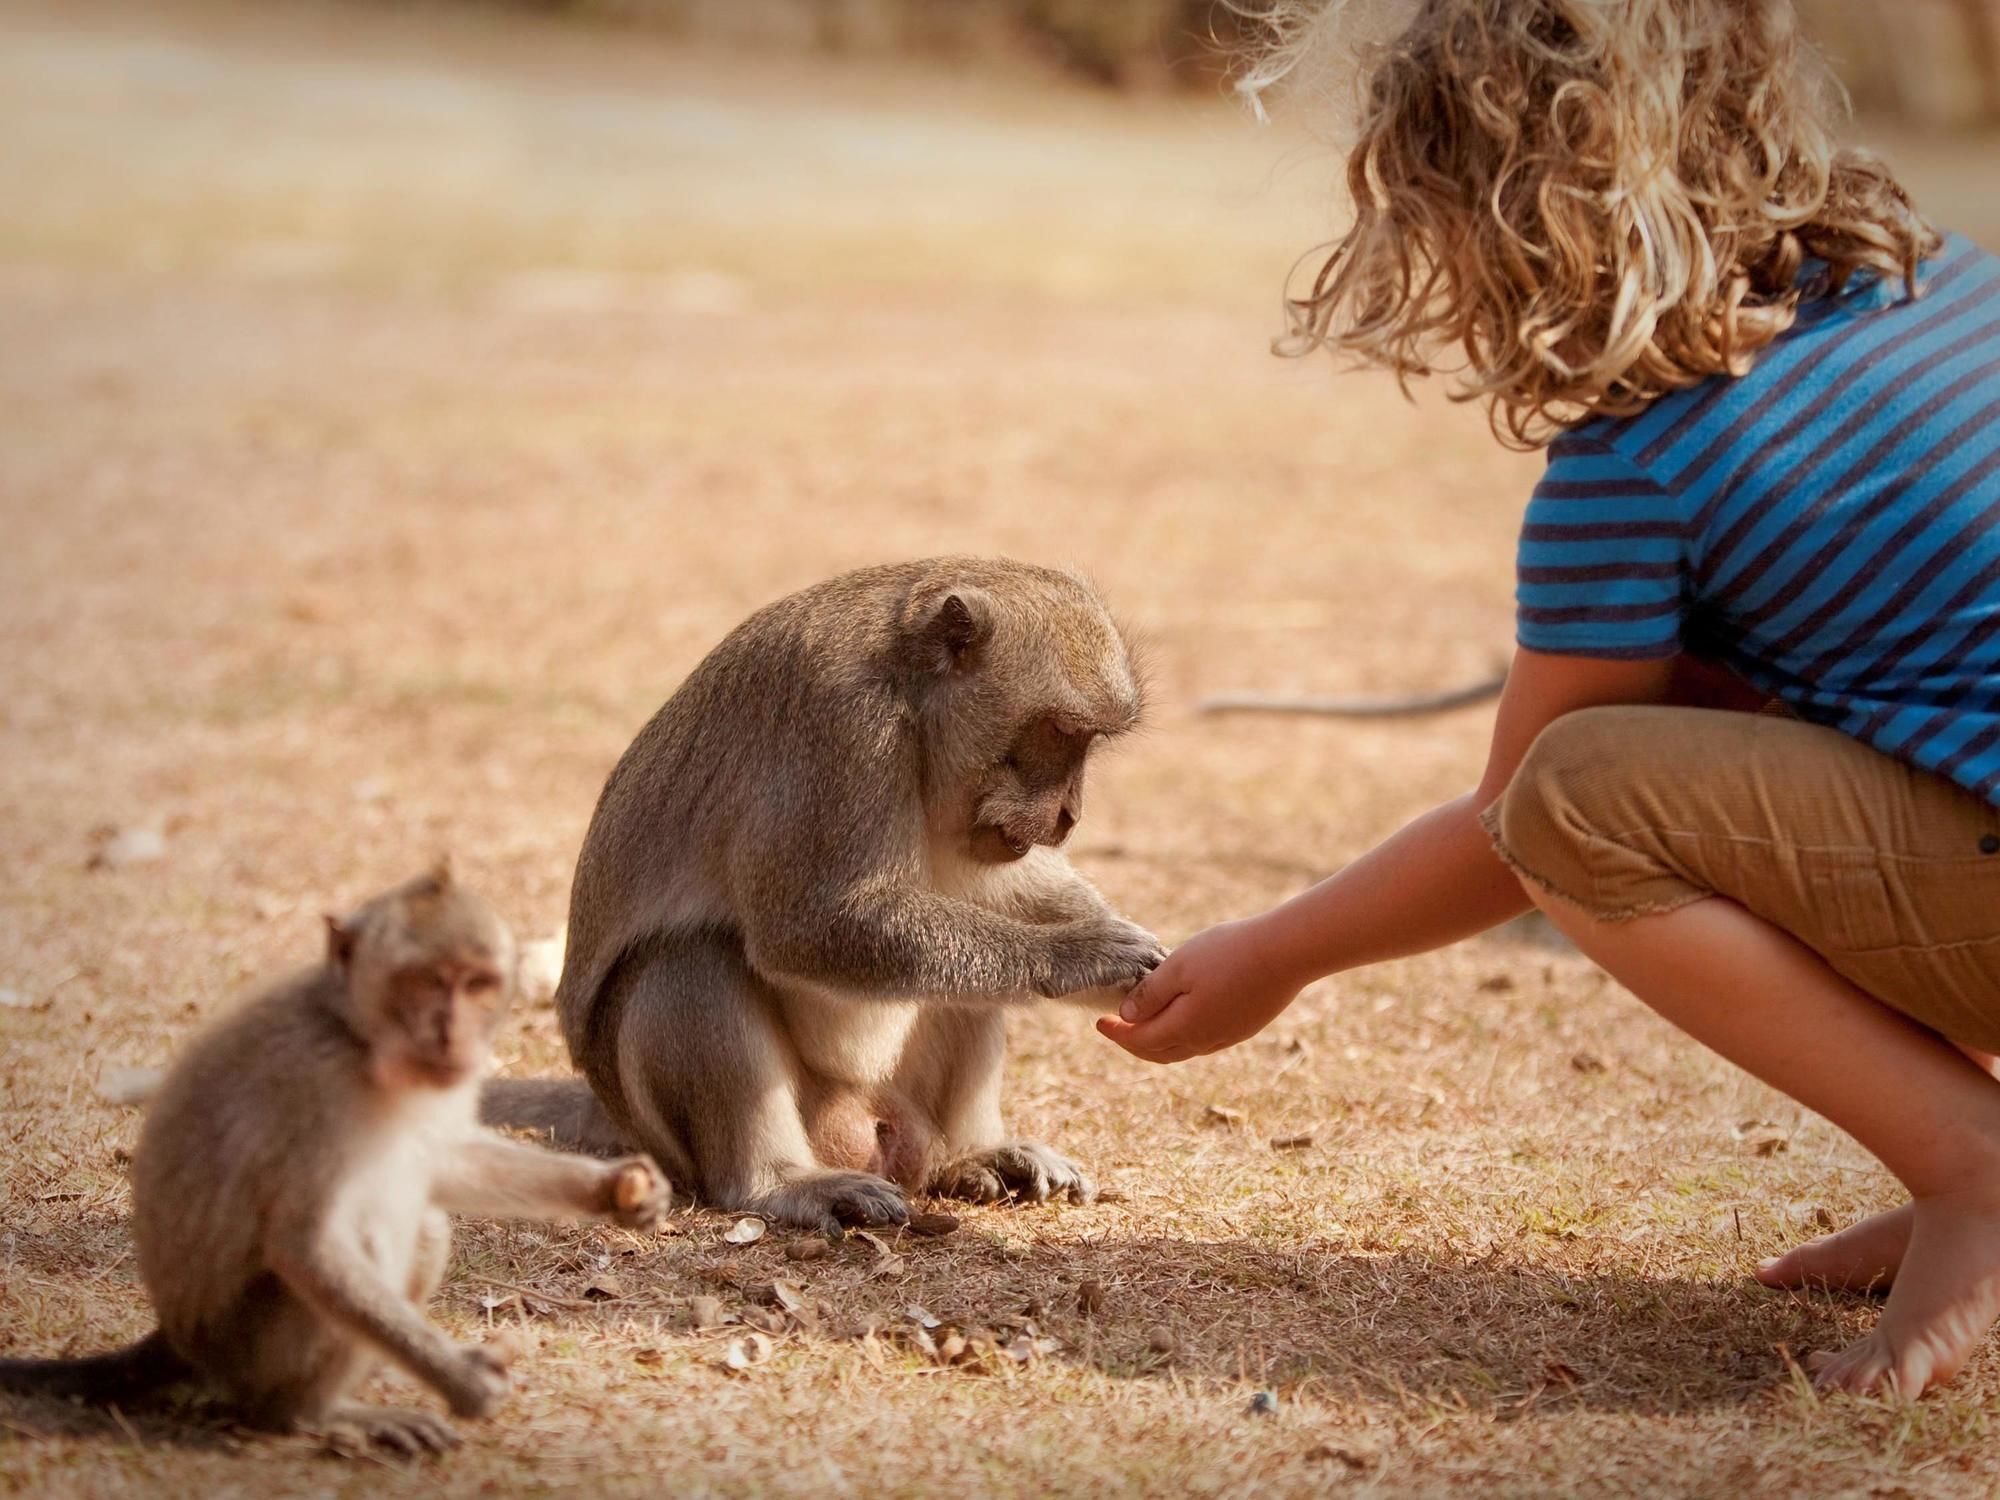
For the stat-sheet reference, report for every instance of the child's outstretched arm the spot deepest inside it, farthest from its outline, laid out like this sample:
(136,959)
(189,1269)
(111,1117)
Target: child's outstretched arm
(1436,881)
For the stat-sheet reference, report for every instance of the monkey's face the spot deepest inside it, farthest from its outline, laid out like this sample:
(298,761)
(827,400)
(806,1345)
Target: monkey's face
(1021,672)
(436,1021)
(1035,795)
(427,970)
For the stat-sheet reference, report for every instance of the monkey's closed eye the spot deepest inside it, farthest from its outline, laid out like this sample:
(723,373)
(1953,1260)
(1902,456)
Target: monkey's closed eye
(482,984)
(424,982)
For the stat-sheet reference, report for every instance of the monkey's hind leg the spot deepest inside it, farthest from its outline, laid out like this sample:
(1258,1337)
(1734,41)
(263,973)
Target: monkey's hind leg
(951,1070)
(297,1346)
(351,1426)
(711,1084)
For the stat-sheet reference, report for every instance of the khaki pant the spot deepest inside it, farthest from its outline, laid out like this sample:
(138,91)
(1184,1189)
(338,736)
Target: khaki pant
(1890,873)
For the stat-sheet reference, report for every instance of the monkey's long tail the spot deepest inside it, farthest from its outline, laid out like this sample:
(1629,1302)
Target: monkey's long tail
(562,1111)
(120,1375)
(1359,708)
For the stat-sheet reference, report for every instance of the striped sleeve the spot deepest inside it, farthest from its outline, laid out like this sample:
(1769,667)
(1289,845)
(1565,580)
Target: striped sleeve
(1601,561)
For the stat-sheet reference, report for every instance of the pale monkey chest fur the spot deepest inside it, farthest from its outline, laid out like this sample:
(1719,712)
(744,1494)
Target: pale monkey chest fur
(856,1040)
(382,1205)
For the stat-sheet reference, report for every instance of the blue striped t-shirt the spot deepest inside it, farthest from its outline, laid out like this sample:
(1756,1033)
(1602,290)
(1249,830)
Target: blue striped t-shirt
(1827,525)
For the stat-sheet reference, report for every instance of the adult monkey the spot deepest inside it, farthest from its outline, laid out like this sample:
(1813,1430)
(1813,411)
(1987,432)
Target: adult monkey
(821,875)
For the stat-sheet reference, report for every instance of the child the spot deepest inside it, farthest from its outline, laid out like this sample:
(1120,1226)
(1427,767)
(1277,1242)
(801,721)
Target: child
(1774,397)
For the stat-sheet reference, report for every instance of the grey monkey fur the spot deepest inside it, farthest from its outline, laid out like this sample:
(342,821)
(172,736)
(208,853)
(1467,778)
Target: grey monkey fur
(820,876)
(291,1182)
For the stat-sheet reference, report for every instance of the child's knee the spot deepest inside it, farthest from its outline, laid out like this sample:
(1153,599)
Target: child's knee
(1543,822)
(1566,822)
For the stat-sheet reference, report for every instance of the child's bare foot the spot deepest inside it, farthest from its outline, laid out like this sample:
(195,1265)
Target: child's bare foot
(1860,1258)
(1946,1298)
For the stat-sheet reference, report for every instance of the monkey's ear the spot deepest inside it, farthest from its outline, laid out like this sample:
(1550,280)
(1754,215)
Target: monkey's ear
(957,626)
(339,943)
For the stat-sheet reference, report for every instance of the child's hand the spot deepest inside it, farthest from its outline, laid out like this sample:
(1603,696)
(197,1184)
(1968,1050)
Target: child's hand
(1213,991)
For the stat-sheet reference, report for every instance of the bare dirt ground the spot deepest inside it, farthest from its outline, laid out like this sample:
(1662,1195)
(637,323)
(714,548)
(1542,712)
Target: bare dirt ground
(396,406)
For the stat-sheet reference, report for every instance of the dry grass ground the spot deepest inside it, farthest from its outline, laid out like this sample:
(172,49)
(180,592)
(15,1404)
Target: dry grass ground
(396,408)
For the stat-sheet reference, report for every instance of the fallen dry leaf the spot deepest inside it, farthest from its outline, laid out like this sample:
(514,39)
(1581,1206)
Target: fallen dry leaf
(745,1231)
(932,1226)
(1221,1114)
(812,1247)
(1090,1297)
(131,846)
(922,1317)
(706,1312)
(744,1353)
(604,1287)
(1025,1350)
(128,1087)
(1297,1142)
(785,1295)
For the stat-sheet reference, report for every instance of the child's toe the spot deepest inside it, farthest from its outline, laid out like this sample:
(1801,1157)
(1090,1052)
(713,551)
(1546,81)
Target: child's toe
(1858,1370)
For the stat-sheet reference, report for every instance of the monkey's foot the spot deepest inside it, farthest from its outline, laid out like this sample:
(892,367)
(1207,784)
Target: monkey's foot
(1020,1169)
(351,1430)
(828,1200)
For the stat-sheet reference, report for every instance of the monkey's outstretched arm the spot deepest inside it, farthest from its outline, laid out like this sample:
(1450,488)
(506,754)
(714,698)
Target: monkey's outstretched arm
(337,1281)
(490,1175)
(1052,891)
(892,939)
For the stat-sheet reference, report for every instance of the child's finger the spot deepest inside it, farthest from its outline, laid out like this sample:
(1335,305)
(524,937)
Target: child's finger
(1150,995)
(1147,1049)
(1124,1033)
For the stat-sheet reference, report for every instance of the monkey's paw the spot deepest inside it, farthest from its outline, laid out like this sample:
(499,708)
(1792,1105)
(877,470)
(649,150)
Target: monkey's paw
(637,1194)
(351,1430)
(828,1200)
(1099,953)
(478,1384)
(1025,1170)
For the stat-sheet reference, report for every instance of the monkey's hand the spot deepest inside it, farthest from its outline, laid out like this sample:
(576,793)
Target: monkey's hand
(636,1193)
(1096,953)
(478,1384)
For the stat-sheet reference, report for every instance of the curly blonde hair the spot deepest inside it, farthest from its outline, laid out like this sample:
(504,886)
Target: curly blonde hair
(1594,202)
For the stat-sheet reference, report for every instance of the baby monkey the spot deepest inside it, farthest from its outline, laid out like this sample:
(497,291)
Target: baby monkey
(294,1172)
